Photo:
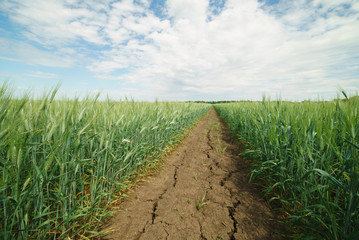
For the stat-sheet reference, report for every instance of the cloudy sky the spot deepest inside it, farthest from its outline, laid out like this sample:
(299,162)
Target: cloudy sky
(181,49)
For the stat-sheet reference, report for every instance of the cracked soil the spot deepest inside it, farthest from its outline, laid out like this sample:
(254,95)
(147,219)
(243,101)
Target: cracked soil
(202,192)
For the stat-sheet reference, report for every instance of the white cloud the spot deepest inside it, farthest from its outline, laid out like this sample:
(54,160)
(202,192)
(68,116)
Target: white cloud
(194,11)
(298,48)
(9,59)
(55,22)
(38,74)
(27,53)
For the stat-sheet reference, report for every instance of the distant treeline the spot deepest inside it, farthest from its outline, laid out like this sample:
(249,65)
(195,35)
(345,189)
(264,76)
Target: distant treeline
(216,102)
(346,98)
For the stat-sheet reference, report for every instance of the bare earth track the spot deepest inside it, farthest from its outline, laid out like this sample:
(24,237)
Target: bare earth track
(201,193)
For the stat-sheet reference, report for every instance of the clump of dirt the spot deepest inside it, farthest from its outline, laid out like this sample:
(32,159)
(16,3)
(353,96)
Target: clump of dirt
(201,193)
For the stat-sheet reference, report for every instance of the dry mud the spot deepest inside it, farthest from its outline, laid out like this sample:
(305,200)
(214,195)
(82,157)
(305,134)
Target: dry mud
(201,193)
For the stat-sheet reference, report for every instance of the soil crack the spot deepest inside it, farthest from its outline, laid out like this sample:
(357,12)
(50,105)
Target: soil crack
(142,232)
(161,196)
(200,229)
(154,215)
(167,233)
(231,214)
(209,140)
(175,177)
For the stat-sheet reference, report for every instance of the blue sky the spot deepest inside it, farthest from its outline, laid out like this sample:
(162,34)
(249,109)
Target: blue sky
(181,49)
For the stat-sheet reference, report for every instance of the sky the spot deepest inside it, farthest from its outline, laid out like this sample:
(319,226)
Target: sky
(180,50)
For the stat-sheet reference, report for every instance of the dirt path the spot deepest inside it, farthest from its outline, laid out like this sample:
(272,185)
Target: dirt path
(202,193)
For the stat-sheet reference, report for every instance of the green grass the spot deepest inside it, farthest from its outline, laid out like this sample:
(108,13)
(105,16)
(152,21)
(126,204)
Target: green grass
(201,203)
(62,162)
(306,154)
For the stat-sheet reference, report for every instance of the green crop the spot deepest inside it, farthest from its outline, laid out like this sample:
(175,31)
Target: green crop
(62,162)
(307,155)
